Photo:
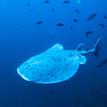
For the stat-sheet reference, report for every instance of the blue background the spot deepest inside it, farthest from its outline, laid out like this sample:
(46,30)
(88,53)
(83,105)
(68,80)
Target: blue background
(21,37)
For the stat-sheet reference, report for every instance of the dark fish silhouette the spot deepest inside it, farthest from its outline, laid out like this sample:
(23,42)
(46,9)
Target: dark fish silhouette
(88,33)
(71,27)
(102,25)
(39,22)
(60,24)
(92,16)
(75,20)
(77,10)
(53,10)
(66,1)
(105,17)
(47,1)
(102,63)
(28,3)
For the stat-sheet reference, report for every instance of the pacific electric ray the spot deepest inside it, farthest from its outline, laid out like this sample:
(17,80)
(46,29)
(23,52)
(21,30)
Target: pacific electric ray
(55,64)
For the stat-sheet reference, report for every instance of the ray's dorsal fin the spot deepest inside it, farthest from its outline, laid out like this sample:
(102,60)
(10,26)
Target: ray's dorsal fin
(56,47)
(80,47)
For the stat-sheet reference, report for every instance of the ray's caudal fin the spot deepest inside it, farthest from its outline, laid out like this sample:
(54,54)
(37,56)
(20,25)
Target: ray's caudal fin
(97,47)
(95,50)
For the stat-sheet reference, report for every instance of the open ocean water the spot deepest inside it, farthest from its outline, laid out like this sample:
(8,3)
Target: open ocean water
(29,27)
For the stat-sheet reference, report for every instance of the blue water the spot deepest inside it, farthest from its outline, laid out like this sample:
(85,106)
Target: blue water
(21,37)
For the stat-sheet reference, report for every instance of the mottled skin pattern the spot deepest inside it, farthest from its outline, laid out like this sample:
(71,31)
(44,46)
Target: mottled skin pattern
(54,65)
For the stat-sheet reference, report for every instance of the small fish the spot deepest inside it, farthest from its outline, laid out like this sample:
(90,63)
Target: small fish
(92,16)
(60,24)
(53,10)
(88,33)
(47,1)
(28,3)
(102,63)
(75,20)
(66,1)
(77,10)
(105,17)
(102,25)
(39,22)
(71,27)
